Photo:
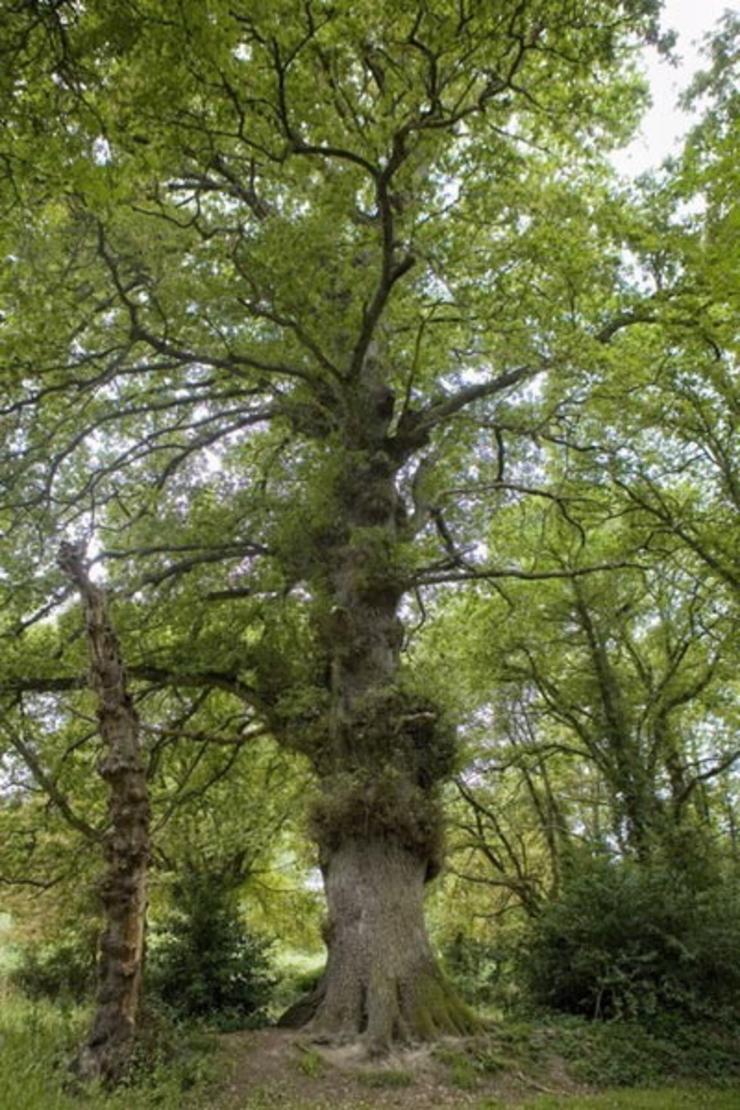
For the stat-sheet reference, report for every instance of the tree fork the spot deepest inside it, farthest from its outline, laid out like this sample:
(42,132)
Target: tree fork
(106,1051)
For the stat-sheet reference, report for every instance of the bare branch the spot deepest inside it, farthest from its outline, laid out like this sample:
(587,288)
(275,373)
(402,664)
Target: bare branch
(484,573)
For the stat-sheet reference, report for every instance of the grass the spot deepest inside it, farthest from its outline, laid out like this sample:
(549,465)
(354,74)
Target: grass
(463,1069)
(387,1077)
(665,1098)
(641,1066)
(311,1063)
(37,1040)
(503,1049)
(7,956)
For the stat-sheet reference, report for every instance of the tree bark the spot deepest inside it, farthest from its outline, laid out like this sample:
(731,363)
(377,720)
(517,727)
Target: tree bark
(381,980)
(381,748)
(106,1052)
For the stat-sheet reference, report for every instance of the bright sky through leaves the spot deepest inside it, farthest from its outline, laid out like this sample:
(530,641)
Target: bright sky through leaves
(665,123)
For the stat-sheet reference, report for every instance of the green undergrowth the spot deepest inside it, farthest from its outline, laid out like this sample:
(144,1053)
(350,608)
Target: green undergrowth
(311,1063)
(515,1047)
(616,1054)
(600,1054)
(632,1066)
(38,1039)
(665,1098)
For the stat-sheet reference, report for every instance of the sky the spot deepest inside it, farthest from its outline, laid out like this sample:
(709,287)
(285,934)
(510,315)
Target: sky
(665,123)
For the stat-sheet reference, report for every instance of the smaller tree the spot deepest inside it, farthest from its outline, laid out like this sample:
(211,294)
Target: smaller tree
(204,962)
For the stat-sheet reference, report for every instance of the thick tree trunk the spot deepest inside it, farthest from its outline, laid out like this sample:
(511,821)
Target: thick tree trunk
(381,979)
(381,748)
(106,1052)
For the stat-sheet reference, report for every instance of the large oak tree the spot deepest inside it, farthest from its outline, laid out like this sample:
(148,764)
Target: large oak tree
(295,292)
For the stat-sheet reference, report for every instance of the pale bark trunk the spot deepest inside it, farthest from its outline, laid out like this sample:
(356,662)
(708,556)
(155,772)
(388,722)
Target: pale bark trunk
(381,979)
(106,1052)
(381,755)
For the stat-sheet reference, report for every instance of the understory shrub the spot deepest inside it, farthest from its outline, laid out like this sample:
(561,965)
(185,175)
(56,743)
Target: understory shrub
(60,969)
(631,940)
(475,967)
(295,983)
(203,962)
(668,1049)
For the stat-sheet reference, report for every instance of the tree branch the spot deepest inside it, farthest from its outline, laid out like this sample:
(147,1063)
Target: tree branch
(438,411)
(484,573)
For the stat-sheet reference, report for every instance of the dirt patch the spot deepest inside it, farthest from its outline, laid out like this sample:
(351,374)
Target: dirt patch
(278,1068)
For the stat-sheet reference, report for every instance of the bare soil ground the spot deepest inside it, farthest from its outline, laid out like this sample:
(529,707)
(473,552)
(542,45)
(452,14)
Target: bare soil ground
(278,1068)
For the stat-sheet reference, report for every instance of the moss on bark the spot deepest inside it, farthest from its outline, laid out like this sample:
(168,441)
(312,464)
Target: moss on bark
(381,984)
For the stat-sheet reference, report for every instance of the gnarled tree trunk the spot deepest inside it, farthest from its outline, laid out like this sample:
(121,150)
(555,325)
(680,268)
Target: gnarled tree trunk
(106,1051)
(381,978)
(381,749)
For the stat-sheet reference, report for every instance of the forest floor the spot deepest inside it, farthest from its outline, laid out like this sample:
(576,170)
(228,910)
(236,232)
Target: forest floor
(278,1069)
(544,1064)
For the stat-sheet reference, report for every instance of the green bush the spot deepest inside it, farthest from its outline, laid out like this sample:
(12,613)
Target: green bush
(475,967)
(631,1053)
(626,939)
(295,985)
(204,963)
(61,969)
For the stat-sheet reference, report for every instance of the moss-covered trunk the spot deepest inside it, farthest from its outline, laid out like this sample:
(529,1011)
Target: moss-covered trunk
(382,751)
(381,979)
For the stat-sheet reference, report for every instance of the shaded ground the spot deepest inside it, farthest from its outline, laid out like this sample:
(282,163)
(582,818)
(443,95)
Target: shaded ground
(570,1064)
(277,1068)
(545,1065)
